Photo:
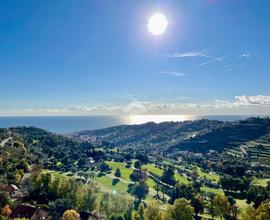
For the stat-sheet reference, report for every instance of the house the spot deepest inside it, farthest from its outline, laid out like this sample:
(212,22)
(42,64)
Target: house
(14,191)
(29,212)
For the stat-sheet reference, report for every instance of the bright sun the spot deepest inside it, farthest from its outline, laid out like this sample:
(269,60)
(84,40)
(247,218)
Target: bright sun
(157,24)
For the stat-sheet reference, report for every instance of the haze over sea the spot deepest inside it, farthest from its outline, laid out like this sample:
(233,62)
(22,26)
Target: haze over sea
(67,124)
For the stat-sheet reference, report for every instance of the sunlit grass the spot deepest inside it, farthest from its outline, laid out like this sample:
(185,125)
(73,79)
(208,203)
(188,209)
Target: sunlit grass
(105,183)
(181,178)
(213,177)
(153,169)
(212,190)
(260,182)
(125,172)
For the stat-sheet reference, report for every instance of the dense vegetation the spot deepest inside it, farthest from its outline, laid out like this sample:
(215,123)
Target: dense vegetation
(195,136)
(200,169)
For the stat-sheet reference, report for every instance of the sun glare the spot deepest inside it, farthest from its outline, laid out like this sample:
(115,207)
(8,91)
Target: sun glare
(157,24)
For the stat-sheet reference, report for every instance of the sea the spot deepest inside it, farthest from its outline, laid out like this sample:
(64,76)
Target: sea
(69,124)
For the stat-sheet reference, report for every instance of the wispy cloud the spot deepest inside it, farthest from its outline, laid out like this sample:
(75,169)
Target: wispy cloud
(201,53)
(214,59)
(188,54)
(246,55)
(173,73)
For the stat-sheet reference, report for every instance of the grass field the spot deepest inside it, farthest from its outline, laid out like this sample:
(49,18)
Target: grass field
(153,169)
(213,177)
(105,183)
(181,178)
(241,204)
(216,191)
(151,183)
(125,172)
(260,182)
(158,171)
(56,174)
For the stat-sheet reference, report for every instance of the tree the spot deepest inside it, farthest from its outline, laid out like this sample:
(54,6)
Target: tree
(168,176)
(137,164)
(257,194)
(152,212)
(138,175)
(221,205)
(117,217)
(157,188)
(58,207)
(249,214)
(194,173)
(142,157)
(139,190)
(197,186)
(4,199)
(115,205)
(117,173)
(261,213)
(88,198)
(211,205)
(234,184)
(198,204)
(180,210)
(6,210)
(182,191)
(104,167)
(71,215)
(233,207)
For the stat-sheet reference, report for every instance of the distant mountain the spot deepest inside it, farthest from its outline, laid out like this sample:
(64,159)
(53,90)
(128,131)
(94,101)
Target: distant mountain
(197,136)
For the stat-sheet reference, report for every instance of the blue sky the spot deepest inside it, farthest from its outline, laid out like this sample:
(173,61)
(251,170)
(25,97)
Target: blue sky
(96,57)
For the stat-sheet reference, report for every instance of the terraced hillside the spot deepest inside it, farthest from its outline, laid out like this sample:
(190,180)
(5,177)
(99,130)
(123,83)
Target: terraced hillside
(250,136)
(256,150)
(230,136)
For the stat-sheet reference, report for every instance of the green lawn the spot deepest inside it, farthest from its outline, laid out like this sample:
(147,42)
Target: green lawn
(105,183)
(55,174)
(125,172)
(181,178)
(151,183)
(158,171)
(241,204)
(260,182)
(216,191)
(153,169)
(213,177)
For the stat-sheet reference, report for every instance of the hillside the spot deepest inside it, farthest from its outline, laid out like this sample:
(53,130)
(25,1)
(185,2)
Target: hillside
(150,135)
(196,136)
(231,135)
(30,145)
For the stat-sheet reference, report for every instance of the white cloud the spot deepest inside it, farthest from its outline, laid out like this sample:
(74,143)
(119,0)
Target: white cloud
(256,105)
(246,55)
(253,100)
(173,73)
(188,54)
